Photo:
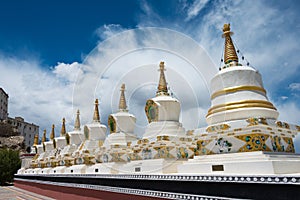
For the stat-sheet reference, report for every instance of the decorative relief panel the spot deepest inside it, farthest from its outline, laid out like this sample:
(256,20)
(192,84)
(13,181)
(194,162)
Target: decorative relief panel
(112,124)
(151,110)
(282,125)
(201,147)
(135,155)
(254,142)
(223,145)
(147,153)
(183,152)
(255,121)
(290,145)
(163,152)
(221,127)
(277,144)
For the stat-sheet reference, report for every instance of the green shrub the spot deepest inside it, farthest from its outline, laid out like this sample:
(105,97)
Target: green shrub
(9,164)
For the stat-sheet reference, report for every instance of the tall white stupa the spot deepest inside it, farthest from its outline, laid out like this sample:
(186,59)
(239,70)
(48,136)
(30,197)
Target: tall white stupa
(237,91)
(243,131)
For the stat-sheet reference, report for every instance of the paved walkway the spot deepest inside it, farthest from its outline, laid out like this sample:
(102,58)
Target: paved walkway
(13,193)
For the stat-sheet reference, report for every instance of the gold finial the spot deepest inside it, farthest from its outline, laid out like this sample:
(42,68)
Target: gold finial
(230,53)
(36,140)
(122,103)
(52,134)
(96,117)
(226,28)
(77,122)
(162,85)
(44,136)
(63,128)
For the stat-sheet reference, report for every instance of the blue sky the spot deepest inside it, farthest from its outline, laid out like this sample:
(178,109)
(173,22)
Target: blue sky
(59,31)
(45,45)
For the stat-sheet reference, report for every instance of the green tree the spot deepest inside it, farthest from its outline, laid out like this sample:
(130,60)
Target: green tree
(9,164)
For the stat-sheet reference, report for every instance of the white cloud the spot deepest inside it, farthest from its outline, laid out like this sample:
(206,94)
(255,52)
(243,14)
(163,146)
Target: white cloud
(36,94)
(195,9)
(284,97)
(294,86)
(68,72)
(108,30)
(149,17)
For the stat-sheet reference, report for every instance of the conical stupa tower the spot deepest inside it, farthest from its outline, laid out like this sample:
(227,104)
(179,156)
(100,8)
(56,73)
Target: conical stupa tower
(36,140)
(48,145)
(77,122)
(96,117)
(35,144)
(163,112)
(237,91)
(60,142)
(44,136)
(52,134)
(121,124)
(76,136)
(63,128)
(95,132)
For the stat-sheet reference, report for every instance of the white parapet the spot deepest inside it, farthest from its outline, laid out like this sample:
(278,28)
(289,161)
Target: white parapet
(247,163)
(76,169)
(58,170)
(151,166)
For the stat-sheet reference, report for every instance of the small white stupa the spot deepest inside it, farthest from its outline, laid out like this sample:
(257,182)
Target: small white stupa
(76,136)
(163,113)
(95,132)
(121,125)
(60,142)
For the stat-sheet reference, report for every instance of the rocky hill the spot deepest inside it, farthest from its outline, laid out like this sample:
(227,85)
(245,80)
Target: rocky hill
(9,138)
(12,142)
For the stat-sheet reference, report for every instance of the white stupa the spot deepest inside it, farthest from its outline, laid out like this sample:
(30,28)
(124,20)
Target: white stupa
(121,125)
(163,113)
(242,123)
(73,139)
(237,91)
(61,142)
(76,136)
(95,132)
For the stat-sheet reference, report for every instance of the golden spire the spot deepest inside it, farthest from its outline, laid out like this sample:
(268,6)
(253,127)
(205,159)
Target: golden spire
(36,140)
(52,134)
(63,128)
(162,85)
(230,53)
(122,103)
(96,117)
(77,122)
(44,136)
